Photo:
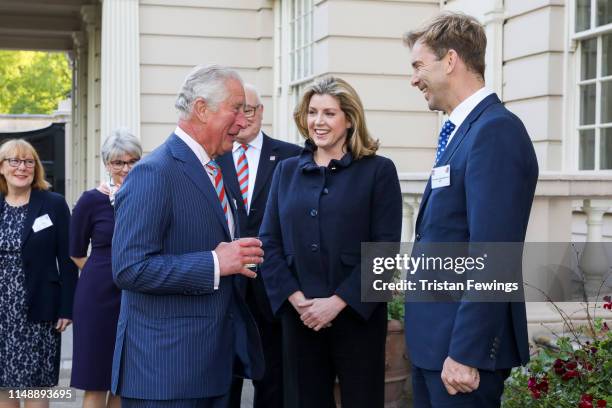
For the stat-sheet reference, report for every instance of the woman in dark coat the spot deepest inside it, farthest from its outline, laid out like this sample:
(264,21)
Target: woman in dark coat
(97,299)
(37,278)
(322,205)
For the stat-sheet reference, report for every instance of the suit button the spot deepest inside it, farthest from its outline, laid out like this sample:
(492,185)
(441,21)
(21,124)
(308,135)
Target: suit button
(314,247)
(492,356)
(325,191)
(313,213)
(418,237)
(231,315)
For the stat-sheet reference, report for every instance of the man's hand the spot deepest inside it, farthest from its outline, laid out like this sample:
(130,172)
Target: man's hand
(321,311)
(458,377)
(234,255)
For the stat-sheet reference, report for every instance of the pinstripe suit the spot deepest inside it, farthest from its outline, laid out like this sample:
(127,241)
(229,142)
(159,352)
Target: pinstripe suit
(177,336)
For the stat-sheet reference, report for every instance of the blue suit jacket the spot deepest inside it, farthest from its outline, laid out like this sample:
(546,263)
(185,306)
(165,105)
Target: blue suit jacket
(250,224)
(316,220)
(176,337)
(494,172)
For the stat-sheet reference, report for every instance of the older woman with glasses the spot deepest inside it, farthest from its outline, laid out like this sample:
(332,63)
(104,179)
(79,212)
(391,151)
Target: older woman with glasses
(37,279)
(97,299)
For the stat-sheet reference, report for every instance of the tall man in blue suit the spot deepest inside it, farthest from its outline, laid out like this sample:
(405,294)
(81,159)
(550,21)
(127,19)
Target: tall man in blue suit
(248,170)
(486,172)
(184,330)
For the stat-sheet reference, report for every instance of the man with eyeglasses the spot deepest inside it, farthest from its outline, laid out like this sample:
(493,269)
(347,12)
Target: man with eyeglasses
(248,170)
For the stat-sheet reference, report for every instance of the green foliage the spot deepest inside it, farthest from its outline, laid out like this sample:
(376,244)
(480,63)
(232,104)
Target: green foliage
(32,81)
(395,308)
(578,373)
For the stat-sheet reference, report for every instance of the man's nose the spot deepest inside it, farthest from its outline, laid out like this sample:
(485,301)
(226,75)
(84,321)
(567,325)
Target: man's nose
(241,120)
(414,80)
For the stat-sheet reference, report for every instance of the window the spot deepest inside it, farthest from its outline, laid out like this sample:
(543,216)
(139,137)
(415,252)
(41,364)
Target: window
(593,31)
(293,61)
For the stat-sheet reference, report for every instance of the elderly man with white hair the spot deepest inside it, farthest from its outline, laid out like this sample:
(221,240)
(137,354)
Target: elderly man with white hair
(184,330)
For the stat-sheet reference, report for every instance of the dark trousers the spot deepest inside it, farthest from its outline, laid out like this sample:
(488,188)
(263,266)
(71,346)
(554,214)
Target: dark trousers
(429,391)
(352,349)
(268,390)
(213,402)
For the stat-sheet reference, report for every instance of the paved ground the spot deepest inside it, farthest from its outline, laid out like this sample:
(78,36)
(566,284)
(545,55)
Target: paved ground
(66,364)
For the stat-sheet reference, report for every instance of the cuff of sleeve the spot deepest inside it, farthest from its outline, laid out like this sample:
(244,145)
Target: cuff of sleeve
(217,270)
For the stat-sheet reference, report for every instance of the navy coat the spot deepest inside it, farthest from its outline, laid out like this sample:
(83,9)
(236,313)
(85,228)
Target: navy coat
(177,337)
(317,218)
(494,172)
(272,152)
(50,274)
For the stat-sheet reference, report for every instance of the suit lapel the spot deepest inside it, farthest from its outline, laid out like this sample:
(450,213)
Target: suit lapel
(194,170)
(34,207)
(455,142)
(265,167)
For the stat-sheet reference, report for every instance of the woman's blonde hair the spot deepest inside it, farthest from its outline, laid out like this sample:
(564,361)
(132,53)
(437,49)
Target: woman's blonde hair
(19,148)
(359,141)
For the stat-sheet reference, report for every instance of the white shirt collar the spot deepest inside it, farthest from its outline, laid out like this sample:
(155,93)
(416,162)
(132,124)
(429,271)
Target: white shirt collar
(462,110)
(256,143)
(195,147)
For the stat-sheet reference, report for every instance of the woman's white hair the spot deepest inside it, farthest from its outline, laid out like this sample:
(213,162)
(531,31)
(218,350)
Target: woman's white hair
(207,82)
(121,141)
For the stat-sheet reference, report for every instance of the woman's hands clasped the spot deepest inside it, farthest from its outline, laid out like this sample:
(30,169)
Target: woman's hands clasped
(317,313)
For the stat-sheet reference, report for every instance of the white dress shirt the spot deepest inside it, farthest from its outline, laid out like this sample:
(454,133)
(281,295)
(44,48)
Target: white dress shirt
(253,154)
(203,157)
(462,110)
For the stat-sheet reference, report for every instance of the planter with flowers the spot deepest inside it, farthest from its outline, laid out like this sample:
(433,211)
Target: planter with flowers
(575,372)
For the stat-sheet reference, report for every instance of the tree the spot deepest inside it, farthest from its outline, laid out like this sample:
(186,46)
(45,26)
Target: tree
(33,81)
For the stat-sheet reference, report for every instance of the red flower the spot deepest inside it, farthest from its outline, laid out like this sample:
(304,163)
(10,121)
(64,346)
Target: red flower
(570,374)
(601,403)
(536,394)
(585,404)
(593,350)
(560,371)
(588,366)
(558,363)
(586,397)
(608,302)
(532,383)
(571,365)
(543,386)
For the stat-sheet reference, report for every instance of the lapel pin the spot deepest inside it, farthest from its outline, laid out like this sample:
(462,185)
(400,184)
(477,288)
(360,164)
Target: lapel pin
(272,158)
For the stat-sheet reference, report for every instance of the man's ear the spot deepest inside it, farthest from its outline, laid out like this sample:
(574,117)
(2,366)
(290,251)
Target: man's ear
(452,58)
(200,110)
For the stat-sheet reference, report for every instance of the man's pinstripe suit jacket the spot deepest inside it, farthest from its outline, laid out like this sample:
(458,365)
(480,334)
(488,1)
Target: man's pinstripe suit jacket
(177,337)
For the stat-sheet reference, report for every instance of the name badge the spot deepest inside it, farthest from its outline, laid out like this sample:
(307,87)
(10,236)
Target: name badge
(440,176)
(41,223)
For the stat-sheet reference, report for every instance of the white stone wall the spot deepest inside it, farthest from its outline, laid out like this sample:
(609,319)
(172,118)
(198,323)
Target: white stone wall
(177,35)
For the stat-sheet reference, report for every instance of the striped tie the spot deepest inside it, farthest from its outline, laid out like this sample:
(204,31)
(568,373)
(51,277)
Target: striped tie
(215,171)
(242,170)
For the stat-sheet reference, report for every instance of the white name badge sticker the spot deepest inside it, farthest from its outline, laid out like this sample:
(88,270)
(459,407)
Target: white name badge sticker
(440,176)
(41,223)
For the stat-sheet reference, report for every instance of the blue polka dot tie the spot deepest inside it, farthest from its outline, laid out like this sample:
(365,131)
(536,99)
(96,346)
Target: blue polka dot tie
(445,133)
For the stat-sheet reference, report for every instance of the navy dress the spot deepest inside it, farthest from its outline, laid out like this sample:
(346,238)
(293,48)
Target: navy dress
(97,299)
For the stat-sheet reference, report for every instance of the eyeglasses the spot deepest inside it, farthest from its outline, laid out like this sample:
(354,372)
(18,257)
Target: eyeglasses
(249,111)
(29,163)
(119,164)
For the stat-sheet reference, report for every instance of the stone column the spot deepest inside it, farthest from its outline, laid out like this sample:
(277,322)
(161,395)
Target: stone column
(120,74)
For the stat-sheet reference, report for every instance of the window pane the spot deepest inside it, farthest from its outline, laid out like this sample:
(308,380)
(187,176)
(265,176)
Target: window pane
(604,12)
(606,102)
(588,59)
(587,150)
(605,146)
(606,62)
(587,104)
(583,15)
